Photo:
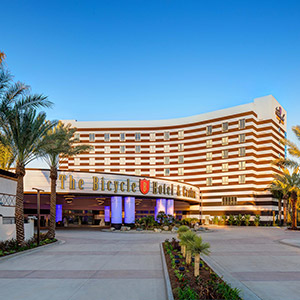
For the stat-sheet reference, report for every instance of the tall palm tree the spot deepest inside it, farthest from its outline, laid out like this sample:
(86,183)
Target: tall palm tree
(58,144)
(6,157)
(23,131)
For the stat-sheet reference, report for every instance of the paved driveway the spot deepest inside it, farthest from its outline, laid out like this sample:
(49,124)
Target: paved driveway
(89,265)
(256,257)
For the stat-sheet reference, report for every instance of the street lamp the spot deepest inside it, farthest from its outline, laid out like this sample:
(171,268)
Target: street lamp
(38,213)
(200,207)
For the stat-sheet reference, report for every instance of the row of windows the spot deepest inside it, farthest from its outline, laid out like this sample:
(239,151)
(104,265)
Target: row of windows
(122,160)
(225,127)
(137,136)
(225,140)
(209,180)
(242,166)
(225,153)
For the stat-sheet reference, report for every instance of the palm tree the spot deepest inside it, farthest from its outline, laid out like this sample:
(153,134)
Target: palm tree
(6,157)
(23,131)
(2,57)
(185,239)
(58,145)
(197,246)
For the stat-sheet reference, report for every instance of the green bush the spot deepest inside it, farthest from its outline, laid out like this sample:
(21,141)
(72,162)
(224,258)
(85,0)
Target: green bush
(239,220)
(224,219)
(256,220)
(247,220)
(215,220)
(231,220)
(186,293)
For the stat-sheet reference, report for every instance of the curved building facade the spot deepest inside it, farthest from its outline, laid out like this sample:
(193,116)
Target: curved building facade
(227,154)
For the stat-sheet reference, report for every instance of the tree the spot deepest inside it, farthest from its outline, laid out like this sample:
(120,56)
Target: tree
(2,57)
(23,130)
(197,246)
(185,239)
(277,190)
(57,145)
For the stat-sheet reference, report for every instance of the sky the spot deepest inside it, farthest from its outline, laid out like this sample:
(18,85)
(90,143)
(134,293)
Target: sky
(158,59)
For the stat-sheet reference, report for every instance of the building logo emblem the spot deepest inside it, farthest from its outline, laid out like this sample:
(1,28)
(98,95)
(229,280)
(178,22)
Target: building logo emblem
(279,115)
(144,186)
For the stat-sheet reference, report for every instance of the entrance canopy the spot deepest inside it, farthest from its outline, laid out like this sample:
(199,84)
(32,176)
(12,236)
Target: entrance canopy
(95,183)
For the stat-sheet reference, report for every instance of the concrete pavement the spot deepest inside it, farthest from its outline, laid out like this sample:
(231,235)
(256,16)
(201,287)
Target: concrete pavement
(89,265)
(257,257)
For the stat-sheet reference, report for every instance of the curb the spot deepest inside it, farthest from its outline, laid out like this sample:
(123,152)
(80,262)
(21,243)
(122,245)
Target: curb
(288,244)
(247,294)
(28,251)
(169,291)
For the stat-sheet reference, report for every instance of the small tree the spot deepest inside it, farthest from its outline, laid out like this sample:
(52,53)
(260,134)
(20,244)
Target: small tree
(247,219)
(197,246)
(256,220)
(185,239)
(181,230)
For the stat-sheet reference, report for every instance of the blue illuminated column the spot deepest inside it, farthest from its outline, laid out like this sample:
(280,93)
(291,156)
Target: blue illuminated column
(58,216)
(116,211)
(129,210)
(106,214)
(170,207)
(160,206)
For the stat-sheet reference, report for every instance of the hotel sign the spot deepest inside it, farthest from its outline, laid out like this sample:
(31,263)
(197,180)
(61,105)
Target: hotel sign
(111,184)
(279,115)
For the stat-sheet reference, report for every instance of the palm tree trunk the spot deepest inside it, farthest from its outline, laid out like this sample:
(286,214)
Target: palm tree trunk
(294,218)
(53,177)
(197,265)
(279,211)
(284,210)
(19,211)
(188,257)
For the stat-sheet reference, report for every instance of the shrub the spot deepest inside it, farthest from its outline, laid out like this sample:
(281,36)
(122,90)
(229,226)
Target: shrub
(256,220)
(182,229)
(224,219)
(215,220)
(186,293)
(247,219)
(231,220)
(239,220)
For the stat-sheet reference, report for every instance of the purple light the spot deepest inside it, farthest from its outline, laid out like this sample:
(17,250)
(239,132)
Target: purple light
(58,216)
(106,214)
(160,206)
(129,209)
(170,207)
(116,210)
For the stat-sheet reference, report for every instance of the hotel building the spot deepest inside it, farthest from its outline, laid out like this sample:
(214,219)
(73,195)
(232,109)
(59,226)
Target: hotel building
(227,154)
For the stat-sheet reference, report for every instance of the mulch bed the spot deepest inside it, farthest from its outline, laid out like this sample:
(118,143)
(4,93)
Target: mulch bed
(205,284)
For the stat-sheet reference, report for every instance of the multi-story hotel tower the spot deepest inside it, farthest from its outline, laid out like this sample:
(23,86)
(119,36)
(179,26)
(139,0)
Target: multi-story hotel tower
(226,153)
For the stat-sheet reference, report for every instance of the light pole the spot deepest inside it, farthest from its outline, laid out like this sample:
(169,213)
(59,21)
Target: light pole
(38,213)
(200,208)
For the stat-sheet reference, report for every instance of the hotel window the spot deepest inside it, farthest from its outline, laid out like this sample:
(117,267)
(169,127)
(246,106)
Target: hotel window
(123,171)
(224,153)
(76,161)
(242,123)
(106,137)
(242,178)
(180,134)
(242,165)
(92,170)
(209,181)
(137,136)
(106,149)
(224,167)
(137,172)
(180,171)
(122,149)
(209,169)
(209,156)
(242,151)
(180,147)
(152,136)
(137,160)
(229,200)
(166,148)
(152,160)
(242,138)
(92,161)
(225,126)
(208,143)
(166,135)
(92,137)
(209,130)
(92,149)
(152,148)
(76,137)
(152,172)
(180,159)
(166,160)
(166,172)
(137,149)
(225,140)
(107,161)
(225,180)
(122,160)
(122,136)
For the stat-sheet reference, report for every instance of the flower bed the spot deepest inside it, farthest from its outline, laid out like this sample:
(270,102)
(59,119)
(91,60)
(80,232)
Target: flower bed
(186,286)
(11,246)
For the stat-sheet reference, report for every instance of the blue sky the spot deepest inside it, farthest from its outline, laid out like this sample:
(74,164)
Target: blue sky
(125,60)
